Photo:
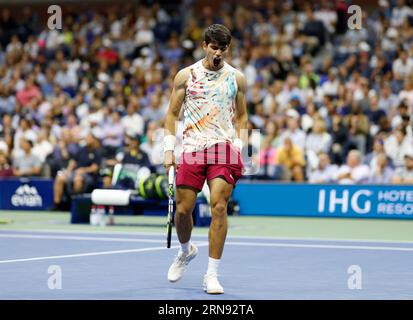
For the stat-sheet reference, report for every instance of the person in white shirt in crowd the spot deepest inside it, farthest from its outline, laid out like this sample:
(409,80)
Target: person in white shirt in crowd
(404,175)
(67,76)
(153,146)
(328,15)
(382,172)
(25,131)
(26,164)
(330,87)
(94,115)
(353,171)
(43,147)
(133,122)
(113,133)
(290,89)
(156,109)
(325,172)
(397,118)
(399,13)
(402,66)
(407,93)
(270,103)
(319,140)
(293,130)
(397,145)
(387,99)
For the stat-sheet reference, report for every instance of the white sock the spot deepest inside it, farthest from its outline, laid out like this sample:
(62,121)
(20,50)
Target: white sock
(213,265)
(185,247)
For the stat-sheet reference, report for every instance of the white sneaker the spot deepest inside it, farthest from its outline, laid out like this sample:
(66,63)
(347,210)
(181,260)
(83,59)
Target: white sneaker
(212,285)
(178,267)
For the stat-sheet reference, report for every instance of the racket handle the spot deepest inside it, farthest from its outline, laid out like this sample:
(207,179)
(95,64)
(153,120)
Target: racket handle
(171,175)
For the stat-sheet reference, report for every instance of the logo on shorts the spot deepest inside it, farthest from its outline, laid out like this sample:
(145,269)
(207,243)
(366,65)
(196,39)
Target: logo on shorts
(231,177)
(26,196)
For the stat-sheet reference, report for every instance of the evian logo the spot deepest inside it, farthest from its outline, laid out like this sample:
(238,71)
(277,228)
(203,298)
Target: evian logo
(26,196)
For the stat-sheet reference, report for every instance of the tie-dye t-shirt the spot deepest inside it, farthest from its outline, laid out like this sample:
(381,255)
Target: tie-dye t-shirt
(209,107)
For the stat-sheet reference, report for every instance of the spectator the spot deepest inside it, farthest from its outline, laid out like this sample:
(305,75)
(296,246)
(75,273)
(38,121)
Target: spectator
(43,147)
(63,151)
(354,171)
(388,100)
(7,132)
(319,140)
(26,164)
(382,172)
(133,123)
(314,30)
(133,156)
(375,114)
(81,173)
(330,87)
(291,158)
(397,145)
(24,131)
(267,159)
(404,175)
(357,125)
(5,168)
(402,66)
(28,93)
(325,171)
(372,157)
(153,145)
(293,130)
(112,135)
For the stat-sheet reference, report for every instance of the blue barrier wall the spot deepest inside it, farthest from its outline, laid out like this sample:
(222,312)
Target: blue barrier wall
(26,194)
(258,198)
(361,201)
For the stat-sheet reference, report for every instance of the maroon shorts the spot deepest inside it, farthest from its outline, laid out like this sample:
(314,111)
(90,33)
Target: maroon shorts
(220,160)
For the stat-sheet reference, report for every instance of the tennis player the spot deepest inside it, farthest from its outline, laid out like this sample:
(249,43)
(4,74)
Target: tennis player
(213,95)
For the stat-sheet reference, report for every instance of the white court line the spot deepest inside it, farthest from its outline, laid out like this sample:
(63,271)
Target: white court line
(316,246)
(206,235)
(88,254)
(83,255)
(111,239)
(256,244)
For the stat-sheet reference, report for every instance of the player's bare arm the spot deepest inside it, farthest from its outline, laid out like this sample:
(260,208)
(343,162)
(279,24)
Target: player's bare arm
(241,115)
(172,115)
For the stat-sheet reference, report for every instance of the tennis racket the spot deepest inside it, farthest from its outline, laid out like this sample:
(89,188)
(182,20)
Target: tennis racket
(171,177)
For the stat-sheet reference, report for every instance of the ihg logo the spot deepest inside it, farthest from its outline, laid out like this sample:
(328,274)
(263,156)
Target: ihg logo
(358,201)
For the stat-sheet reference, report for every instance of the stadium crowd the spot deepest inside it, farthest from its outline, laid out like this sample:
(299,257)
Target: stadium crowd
(333,104)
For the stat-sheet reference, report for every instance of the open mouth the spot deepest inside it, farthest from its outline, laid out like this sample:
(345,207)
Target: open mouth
(217,61)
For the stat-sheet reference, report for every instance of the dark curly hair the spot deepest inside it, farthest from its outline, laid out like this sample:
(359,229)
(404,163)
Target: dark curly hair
(217,33)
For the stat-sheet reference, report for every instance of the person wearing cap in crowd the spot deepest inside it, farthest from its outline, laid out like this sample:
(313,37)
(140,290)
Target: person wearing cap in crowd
(404,175)
(132,155)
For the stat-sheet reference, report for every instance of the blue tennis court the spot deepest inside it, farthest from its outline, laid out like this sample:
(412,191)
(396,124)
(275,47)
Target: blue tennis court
(133,265)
